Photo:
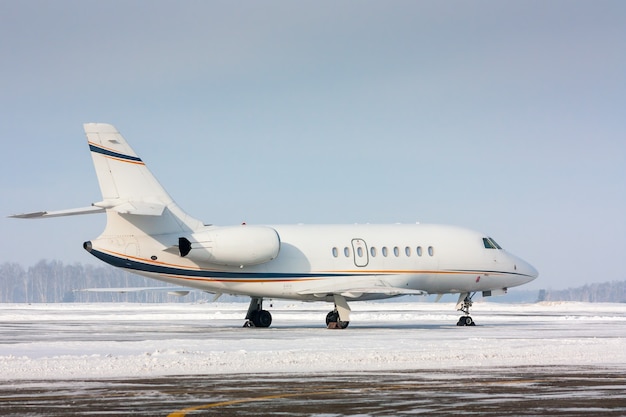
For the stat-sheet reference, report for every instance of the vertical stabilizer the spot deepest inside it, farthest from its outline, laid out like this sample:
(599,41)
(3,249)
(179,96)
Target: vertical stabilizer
(132,196)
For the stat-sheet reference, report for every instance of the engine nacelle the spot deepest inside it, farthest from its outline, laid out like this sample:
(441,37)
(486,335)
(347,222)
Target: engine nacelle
(232,246)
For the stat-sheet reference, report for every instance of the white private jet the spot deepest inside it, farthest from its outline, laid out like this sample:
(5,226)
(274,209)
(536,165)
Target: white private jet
(149,234)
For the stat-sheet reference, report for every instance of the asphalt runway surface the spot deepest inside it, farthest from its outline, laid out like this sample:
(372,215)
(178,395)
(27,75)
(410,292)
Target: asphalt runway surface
(519,391)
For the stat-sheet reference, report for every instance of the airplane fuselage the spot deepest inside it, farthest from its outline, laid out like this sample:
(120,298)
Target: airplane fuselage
(317,260)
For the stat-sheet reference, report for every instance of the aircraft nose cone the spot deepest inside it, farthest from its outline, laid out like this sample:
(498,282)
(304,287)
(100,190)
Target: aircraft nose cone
(527,269)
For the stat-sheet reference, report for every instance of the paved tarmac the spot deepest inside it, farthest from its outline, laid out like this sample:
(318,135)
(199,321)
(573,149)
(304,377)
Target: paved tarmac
(521,391)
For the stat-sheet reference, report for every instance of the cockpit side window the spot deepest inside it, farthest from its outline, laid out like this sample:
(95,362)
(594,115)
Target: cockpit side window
(490,243)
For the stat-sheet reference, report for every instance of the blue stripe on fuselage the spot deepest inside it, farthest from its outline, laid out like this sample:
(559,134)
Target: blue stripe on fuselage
(192,273)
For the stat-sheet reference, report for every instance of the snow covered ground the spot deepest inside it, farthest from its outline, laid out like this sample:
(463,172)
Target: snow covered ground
(67,341)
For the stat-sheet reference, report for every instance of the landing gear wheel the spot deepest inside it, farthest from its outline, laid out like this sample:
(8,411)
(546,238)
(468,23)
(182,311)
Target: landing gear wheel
(256,316)
(262,318)
(332,317)
(333,322)
(466,321)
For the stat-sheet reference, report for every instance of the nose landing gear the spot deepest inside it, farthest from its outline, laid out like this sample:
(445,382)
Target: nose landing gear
(464,304)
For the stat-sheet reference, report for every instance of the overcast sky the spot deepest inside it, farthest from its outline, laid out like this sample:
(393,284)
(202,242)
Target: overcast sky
(504,117)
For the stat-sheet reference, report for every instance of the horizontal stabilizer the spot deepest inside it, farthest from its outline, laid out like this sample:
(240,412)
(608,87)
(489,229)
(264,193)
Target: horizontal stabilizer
(140,208)
(59,213)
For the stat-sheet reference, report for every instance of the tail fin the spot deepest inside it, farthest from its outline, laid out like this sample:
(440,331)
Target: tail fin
(132,196)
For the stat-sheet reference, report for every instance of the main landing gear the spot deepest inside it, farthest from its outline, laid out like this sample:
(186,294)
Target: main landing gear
(464,304)
(339,318)
(333,322)
(256,316)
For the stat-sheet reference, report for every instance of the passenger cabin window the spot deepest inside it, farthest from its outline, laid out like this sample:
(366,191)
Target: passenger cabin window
(396,251)
(335,252)
(431,251)
(419,251)
(346,251)
(385,251)
(490,243)
(373,251)
(407,251)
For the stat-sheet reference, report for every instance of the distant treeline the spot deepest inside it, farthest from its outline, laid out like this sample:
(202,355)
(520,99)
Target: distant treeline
(54,282)
(605,292)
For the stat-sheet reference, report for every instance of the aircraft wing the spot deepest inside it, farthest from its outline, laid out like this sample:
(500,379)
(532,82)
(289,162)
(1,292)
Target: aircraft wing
(390,291)
(178,291)
(123,290)
(357,292)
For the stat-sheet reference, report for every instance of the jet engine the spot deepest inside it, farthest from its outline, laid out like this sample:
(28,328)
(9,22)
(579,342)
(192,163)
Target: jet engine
(232,245)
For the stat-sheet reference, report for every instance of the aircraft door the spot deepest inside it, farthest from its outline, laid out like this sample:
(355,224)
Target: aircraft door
(359,249)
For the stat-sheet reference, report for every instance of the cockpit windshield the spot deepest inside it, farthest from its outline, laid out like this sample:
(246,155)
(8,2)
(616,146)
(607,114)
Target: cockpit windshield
(490,243)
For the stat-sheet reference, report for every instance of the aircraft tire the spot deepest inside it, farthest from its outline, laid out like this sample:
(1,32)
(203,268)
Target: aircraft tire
(466,321)
(332,317)
(262,318)
(342,324)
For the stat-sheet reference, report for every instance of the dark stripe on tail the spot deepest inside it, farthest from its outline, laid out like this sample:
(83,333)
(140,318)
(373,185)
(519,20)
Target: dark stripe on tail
(106,152)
